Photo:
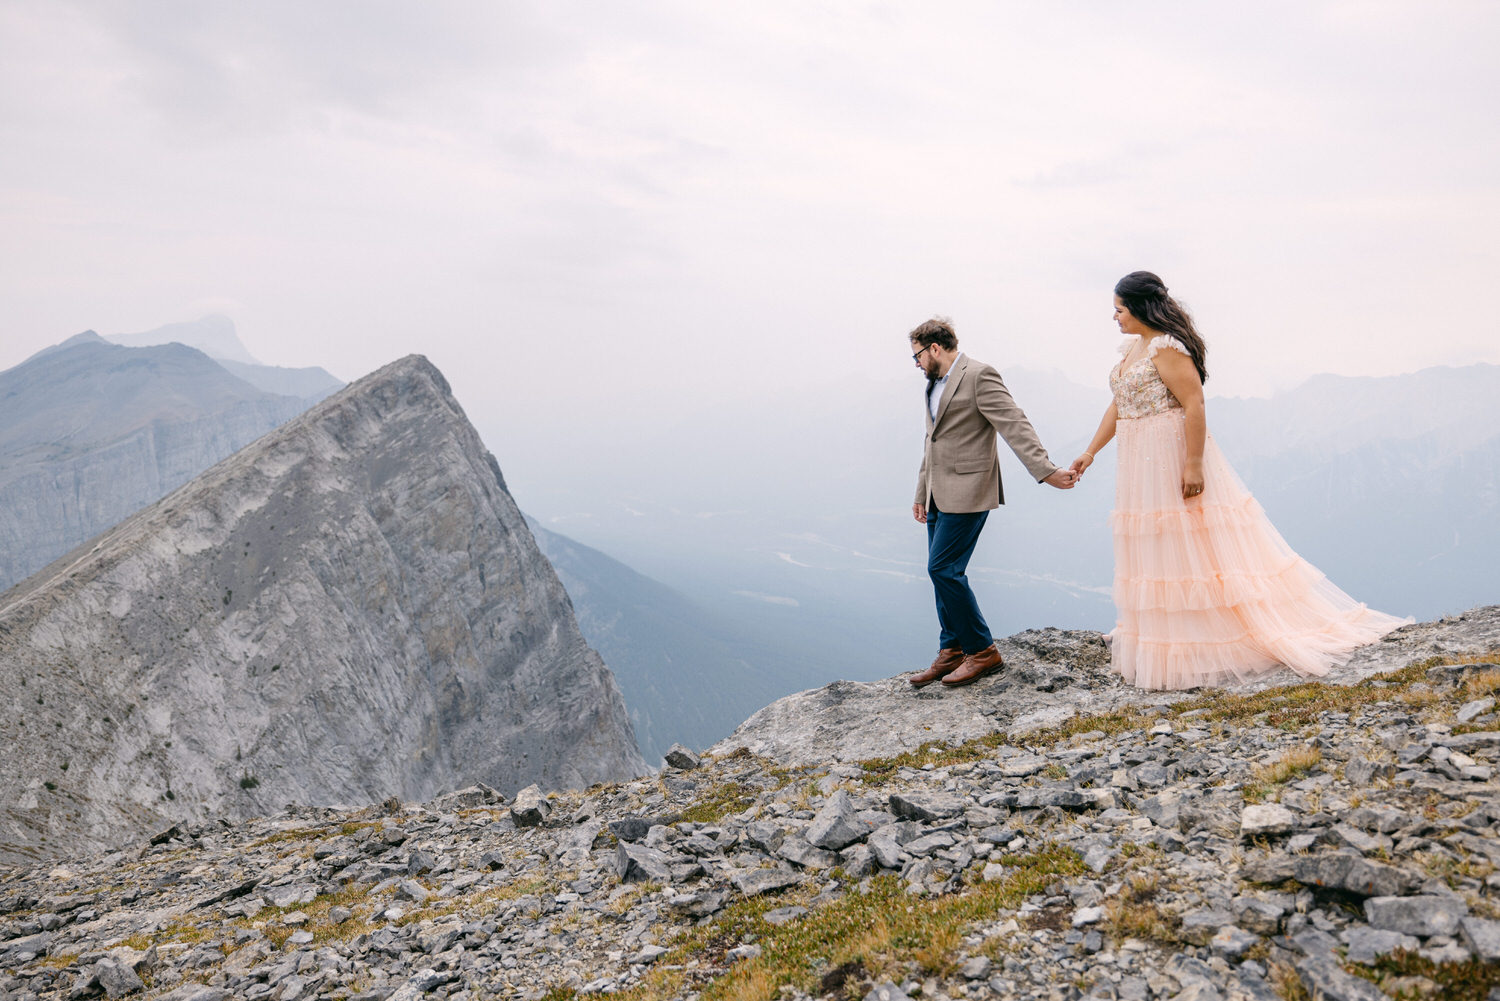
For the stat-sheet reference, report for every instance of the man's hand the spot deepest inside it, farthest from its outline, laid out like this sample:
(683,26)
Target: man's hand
(919,512)
(1062,479)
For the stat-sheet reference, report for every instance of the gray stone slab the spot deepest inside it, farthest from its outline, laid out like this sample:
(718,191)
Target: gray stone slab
(1424,915)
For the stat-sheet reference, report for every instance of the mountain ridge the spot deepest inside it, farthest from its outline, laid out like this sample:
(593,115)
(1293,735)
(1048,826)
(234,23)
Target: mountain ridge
(400,634)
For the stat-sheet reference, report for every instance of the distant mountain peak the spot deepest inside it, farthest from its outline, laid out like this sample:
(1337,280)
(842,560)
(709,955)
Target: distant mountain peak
(77,340)
(213,334)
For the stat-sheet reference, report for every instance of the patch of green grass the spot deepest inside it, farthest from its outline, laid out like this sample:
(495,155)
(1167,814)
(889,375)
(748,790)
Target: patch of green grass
(1287,983)
(867,933)
(1295,763)
(1134,912)
(1469,981)
(296,834)
(719,802)
(937,754)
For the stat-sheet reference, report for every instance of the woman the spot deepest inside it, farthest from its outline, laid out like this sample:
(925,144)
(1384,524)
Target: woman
(1207,590)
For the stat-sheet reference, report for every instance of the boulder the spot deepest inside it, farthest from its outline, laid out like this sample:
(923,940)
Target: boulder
(682,758)
(1265,820)
(926,807)
(636,864)
(1347,871)
(531,807)
(1423,916)
(837,825)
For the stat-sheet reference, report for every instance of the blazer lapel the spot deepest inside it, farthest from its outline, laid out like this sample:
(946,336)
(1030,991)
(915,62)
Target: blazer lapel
(955,376)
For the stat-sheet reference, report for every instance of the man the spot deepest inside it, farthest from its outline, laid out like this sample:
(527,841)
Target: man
(967,403)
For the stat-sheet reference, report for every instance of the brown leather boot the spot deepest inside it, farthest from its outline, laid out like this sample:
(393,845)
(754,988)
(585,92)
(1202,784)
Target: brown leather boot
(974,667)
(947,661)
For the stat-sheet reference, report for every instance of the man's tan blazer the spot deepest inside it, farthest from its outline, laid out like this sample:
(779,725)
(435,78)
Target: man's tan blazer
(960,464)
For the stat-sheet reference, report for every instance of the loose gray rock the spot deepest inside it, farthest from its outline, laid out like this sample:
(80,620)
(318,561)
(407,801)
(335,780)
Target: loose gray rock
(531,807)
(1067,799)
(858,861)
(196,992)
(1260,916)
(649,954)
(805,855)
(1271,870)
(1422,916)
(758,881)
(468,798)
(782,915)
(929,843)
(887,842)
(1382,820)
(1353,873)
(630,828)
(636,863)
(410,889)
(1482,936)
(116,978)
(682,758)
(1232,942)
(925,807)
(1368,944)
(976,968)
(1266,819)
(1476,708)
(1324,978)
(1362,772)
(1164,809)
(698,905)
(1200,926)
(1352,836)
(766,835)
(837,824)
(1022,765)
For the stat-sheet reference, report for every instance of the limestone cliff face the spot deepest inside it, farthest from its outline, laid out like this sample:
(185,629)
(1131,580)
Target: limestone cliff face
(350,608)
(90,432)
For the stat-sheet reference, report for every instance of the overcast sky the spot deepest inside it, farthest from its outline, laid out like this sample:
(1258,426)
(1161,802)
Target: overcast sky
(580,211)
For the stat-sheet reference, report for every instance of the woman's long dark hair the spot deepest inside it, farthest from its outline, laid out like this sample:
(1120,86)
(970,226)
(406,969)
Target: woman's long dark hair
(1145,295)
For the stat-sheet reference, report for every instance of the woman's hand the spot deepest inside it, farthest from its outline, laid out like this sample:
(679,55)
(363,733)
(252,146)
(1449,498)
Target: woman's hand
(1081,463)
(1192,479)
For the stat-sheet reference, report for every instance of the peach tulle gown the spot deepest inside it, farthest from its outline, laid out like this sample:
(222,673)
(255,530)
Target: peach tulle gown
(1208,592)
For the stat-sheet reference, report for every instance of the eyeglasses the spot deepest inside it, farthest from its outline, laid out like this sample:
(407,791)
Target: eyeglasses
(918,356)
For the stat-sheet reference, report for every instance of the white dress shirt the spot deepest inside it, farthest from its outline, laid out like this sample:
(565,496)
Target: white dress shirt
(936,395)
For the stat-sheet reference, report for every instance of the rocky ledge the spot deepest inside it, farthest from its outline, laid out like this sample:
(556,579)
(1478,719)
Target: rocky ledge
(1315,840)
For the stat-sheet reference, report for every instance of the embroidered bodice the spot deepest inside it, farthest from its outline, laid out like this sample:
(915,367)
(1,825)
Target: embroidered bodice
(1138,389)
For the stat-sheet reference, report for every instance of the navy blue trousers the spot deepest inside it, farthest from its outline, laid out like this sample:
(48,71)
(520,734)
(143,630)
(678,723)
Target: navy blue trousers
(950,542)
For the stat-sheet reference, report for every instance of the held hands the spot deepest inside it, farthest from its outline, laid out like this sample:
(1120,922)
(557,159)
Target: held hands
(1081,463)
(1192,479)
(1062,479)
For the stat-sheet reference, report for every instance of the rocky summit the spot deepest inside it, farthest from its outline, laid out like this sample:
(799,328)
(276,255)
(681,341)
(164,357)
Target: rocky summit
(348,609)
(1302,840)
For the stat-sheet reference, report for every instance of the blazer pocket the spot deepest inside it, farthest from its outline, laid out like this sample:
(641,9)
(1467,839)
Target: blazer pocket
(972,466)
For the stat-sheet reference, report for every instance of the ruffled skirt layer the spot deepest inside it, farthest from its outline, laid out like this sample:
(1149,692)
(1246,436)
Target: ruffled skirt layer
(1207,591)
